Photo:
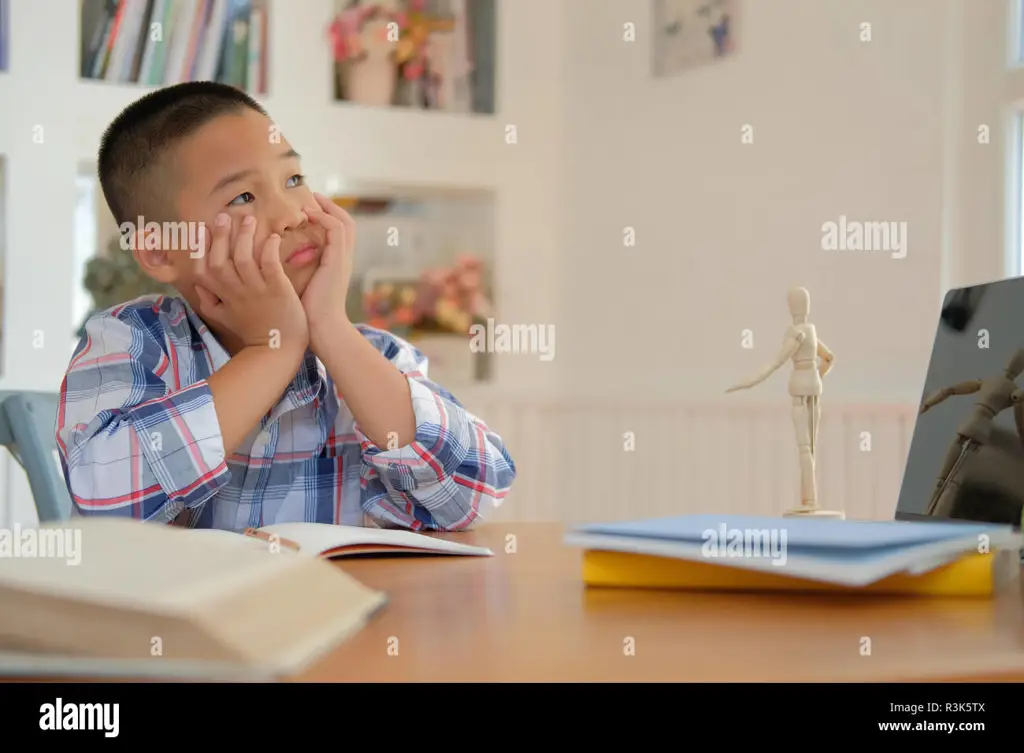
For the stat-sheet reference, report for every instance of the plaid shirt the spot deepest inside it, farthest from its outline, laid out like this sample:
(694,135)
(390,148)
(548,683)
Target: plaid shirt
(138,436)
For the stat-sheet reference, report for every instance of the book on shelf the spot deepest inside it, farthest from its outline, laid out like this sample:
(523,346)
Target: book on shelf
(164,42)
(737,553)
(115,596)
(5,34)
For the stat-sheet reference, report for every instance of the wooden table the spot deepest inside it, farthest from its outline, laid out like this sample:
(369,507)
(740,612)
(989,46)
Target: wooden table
(524,615)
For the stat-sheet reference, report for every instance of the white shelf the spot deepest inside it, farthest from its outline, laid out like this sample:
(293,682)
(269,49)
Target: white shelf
(398,147)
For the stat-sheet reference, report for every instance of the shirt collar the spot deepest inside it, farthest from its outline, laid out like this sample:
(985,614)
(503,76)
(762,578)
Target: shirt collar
(309,381)
(214,350)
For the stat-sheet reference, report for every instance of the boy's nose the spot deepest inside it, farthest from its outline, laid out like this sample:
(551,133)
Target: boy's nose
(286,217)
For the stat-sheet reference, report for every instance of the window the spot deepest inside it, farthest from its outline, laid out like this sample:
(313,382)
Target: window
(85,249)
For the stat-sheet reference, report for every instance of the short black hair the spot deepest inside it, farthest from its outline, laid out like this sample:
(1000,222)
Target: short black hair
(134,144)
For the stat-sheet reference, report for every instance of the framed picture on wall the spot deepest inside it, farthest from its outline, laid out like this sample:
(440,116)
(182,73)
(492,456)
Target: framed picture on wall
(690,33)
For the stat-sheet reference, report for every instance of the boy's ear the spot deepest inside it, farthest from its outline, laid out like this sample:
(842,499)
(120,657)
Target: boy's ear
(156,263)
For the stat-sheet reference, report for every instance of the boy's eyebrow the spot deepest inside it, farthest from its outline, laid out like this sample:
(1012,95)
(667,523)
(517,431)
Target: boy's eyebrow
(229,179)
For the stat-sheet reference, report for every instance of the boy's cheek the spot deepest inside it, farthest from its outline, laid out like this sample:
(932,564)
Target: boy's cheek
(262,234)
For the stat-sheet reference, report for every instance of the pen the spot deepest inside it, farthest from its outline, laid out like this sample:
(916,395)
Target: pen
(271,538)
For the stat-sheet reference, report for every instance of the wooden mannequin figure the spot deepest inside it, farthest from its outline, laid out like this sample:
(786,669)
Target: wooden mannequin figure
(995,394)
(802,346)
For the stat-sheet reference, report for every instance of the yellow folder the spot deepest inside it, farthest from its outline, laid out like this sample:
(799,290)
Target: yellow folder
(972,575)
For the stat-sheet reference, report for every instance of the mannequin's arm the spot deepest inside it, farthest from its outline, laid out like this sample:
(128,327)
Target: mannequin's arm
(827,358)
(963,388)
(788,349)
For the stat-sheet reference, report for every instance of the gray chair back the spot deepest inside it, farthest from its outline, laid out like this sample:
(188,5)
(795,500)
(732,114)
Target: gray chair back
(27,428)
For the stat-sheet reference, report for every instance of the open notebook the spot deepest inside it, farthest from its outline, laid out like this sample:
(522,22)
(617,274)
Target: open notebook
(99,596)
(331,541)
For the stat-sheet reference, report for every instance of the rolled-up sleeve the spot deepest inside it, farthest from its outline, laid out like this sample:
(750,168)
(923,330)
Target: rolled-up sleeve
(132,442)
(455,471)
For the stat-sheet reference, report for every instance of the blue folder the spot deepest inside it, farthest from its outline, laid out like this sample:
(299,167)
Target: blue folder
(813,534)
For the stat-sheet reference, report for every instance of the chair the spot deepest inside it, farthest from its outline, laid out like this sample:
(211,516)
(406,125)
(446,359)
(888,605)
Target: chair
(27,423)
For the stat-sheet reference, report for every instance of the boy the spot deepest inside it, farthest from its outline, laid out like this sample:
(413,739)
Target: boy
(252,399)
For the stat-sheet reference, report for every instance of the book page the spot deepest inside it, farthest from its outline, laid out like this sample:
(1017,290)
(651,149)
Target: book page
(322,537)
(237,539)
(122,561)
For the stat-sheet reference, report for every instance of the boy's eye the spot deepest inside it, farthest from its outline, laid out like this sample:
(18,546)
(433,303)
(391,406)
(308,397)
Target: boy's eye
(294,181)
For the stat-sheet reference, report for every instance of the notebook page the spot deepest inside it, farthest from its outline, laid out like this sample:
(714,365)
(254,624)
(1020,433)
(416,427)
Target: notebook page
(322,537)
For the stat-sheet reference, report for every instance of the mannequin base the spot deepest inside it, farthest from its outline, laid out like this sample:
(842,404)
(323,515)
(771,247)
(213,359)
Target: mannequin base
(814,512)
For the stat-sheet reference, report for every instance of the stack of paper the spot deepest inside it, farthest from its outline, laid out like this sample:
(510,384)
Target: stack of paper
(753,553)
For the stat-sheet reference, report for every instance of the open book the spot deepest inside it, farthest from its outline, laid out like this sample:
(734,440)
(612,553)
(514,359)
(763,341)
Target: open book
(97,596)
(330,541)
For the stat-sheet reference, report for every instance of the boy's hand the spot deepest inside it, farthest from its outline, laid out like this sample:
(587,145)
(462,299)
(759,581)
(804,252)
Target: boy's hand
(249,295)
(325,295)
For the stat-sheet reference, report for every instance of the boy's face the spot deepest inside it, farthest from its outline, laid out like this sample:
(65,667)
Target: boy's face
(239,165)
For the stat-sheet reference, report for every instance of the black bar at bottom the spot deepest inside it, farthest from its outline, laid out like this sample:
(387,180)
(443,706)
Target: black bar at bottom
(282,713)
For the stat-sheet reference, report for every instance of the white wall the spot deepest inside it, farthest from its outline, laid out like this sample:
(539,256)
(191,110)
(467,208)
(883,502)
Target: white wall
(876,131)
(841,127)
(985,202)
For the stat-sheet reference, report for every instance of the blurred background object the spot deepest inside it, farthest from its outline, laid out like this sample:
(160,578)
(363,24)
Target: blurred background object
(115,277)
(425,54)
(961,307)
(434,311)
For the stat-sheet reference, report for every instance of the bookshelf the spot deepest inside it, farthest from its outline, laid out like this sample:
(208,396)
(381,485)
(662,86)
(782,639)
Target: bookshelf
(111,76)
(433,159)
(445,54)
(163,42)
(408,237)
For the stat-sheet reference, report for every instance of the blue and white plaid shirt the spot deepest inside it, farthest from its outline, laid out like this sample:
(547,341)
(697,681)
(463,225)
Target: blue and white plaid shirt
(138,437)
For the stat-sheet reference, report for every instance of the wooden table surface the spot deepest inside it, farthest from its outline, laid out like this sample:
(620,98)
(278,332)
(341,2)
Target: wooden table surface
(524,615)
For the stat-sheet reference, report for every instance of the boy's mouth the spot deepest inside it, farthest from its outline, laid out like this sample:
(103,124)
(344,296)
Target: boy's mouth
(302,255)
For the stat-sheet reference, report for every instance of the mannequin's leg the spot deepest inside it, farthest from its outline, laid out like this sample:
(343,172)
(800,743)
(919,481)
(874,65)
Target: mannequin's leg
(945,498)
(952,455)
(948,483)
(802,424)
(815,423)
